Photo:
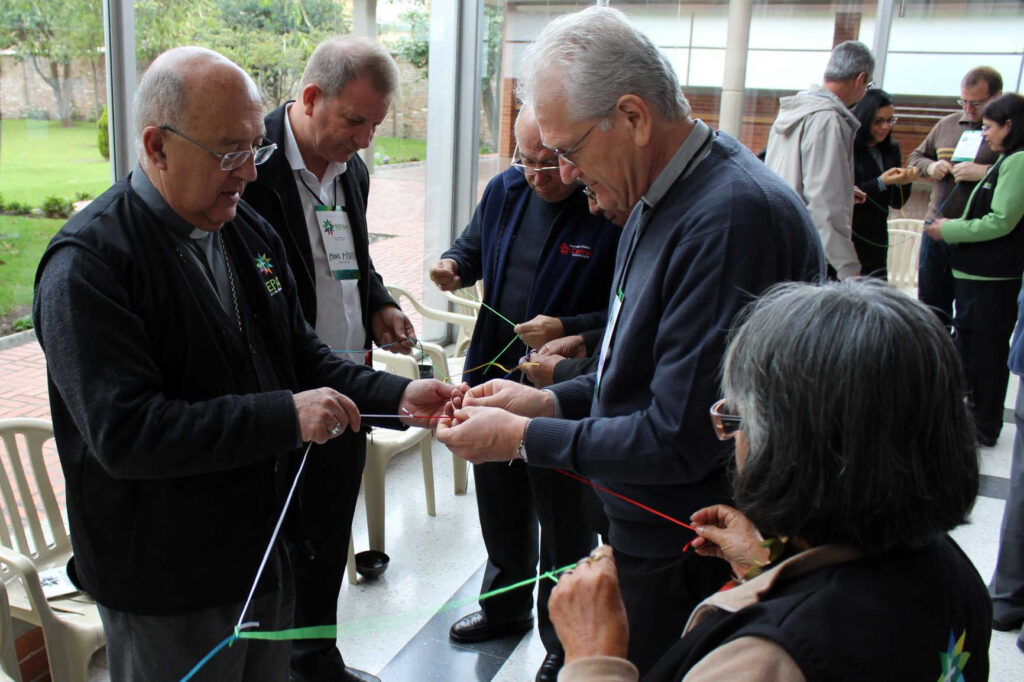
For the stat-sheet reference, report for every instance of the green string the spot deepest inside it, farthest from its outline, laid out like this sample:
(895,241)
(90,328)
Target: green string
(498,356)
(332,631)
(470,294)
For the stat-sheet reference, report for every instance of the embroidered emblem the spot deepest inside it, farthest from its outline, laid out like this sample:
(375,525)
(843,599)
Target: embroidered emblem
(263,264)
(266,268)
(954,659)
(328,228)
(576,250)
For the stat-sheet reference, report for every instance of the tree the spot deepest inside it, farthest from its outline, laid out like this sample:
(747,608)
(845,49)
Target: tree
(52,39)
(415,49)
(272,39)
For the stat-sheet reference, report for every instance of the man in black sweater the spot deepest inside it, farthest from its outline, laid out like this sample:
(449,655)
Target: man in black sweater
(184,381)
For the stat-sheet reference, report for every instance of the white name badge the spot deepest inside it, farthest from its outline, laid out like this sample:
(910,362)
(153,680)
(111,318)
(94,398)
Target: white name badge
(606,341)
(336,233)
(967,147)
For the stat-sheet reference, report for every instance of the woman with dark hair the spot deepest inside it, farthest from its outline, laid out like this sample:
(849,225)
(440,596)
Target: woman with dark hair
(855,453)
(877,172)
(987,256)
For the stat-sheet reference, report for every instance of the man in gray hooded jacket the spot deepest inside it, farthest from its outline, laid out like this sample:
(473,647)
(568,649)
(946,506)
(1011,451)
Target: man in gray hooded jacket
(811,147)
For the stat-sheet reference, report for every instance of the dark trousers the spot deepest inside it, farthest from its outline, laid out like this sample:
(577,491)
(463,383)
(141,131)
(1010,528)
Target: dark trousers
(511,501)
(985,316)
(157,648)
(317,539)
(659,595)
(1007,585)
(935,279)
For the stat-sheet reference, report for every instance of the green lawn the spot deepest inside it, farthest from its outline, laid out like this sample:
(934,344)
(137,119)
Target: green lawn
(39,159)
(22,242)
(399,150)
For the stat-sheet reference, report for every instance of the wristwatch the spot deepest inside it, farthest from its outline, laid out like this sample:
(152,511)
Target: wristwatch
(522,450)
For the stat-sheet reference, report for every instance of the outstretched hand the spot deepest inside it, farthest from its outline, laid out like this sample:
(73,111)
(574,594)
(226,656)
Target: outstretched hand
(587,611)
(511,396)
(482,434)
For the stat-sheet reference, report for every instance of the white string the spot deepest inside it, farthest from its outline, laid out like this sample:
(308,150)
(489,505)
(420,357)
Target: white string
(273,537)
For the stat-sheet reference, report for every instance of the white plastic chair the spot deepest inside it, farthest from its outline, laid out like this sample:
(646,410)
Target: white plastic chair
(904,247)
(467,302)
(383,444)
(9,670)
(34,538)
(463,322)
(439,360)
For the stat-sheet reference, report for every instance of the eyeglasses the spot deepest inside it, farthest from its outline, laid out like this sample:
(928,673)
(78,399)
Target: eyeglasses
(587,192)
(726,425)
(976,104)
(887,121)
(528,168)
(230,160)
(871,85)
(567,154)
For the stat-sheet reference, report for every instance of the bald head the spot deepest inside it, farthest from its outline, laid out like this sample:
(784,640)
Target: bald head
(183,84)
(526,130)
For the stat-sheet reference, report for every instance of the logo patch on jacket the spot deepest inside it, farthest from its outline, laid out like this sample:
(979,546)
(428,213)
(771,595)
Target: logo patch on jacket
(266,268)
(954,659)
(576,250)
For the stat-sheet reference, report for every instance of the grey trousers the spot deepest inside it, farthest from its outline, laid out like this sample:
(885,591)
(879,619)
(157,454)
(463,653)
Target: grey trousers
(155,648)
(1007,585)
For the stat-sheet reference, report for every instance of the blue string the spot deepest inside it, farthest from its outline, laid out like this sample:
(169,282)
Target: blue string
(227,640)
(413,340)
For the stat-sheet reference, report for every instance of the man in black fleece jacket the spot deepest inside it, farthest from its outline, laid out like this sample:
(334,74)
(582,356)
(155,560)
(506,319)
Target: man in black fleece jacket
(183,382)
(711,229)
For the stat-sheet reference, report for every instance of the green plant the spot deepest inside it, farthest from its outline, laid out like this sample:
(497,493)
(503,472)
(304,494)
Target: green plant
(22,324)
(16,208)
(82,196)
(56,207)
(103,135)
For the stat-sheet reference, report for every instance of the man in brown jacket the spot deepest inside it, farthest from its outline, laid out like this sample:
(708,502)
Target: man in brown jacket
(933,157)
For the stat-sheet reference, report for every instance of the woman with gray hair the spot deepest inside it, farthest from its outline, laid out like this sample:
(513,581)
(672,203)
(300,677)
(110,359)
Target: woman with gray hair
(855,454)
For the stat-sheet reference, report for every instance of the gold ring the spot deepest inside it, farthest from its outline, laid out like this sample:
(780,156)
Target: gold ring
(597,556)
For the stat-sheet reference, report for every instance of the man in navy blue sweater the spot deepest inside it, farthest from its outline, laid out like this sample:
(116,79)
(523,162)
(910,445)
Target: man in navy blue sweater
(539,250)
(711,229)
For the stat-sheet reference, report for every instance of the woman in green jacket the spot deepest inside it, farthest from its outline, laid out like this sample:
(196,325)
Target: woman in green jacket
(987,256)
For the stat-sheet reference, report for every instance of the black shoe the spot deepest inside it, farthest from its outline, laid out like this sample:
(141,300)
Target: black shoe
(1006,624)
(548,671)
(355,675)
(348,675)
(476,628)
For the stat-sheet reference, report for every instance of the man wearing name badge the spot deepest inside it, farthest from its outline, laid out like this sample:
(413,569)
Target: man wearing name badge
(314,193)
(954,181)
(183,379)
(712,228)
(534,243)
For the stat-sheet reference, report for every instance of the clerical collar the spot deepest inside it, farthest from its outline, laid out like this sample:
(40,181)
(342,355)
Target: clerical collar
(151,196)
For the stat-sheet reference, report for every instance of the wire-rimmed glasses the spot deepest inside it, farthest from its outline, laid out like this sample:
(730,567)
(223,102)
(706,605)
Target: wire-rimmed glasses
(230,160)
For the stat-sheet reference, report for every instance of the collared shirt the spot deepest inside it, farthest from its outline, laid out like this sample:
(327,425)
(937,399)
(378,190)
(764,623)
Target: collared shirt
(208,245)
(339,312)
(691,152)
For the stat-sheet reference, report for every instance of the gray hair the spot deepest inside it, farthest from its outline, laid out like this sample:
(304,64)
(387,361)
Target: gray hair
(340,59)
(849,60)
(160,100)
(597,57)
(852,401)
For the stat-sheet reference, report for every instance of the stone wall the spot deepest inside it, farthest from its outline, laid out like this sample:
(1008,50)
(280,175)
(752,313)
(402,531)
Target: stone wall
(24,93)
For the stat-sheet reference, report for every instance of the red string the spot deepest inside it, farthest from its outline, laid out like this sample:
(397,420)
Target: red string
(633,502)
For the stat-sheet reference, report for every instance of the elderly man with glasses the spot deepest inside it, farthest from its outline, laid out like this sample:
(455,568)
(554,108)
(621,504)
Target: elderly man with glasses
(184,380)
(711,228)
(538,250)
(954,181)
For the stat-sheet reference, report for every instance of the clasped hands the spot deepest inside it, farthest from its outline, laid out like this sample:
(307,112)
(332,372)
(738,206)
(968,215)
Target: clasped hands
(486,423)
